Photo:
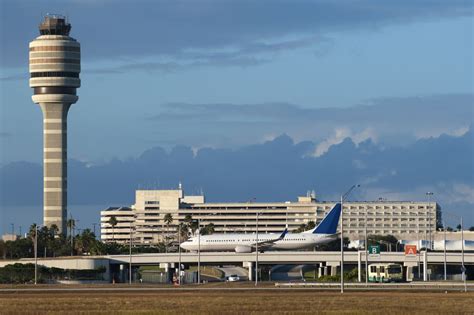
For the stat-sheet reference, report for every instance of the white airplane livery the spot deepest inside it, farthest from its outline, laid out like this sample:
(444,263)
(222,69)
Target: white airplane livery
(325,232)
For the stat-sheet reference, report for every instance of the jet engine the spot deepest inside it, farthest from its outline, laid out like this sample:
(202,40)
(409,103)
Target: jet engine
(243,249)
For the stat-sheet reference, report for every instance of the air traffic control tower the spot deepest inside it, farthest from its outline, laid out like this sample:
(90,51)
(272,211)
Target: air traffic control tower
(55,64)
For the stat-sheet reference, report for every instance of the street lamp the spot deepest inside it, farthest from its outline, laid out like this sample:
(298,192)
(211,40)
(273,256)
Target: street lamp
(36,253)
(199,246)
(463,267)
(179,253)
(462,255)
(444,228)
(366,251)
(199,250)
(130,257)
(343,197)
(256,249)
(418,245)
(429,194)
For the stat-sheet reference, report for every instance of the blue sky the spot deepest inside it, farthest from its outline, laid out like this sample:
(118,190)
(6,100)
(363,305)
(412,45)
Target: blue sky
(228,74)
(311,54)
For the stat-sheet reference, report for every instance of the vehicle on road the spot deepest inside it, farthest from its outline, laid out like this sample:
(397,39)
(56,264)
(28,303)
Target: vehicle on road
(385,272)
(325,232)
(233,278)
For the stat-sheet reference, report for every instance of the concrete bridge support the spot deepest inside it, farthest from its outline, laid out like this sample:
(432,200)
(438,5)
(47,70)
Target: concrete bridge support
(409,265)
(425,266)
(359,266)
(320,270)
(249,265)
(332,267)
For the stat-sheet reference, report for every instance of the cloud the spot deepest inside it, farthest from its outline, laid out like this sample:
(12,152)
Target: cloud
(18,77)
(342,133)
(458,192)
(172,67)
(423,134)
(386,121)
(252,54)
(397,173)
(122,29)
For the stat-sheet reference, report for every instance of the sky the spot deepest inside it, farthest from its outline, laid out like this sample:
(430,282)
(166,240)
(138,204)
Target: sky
(231,75)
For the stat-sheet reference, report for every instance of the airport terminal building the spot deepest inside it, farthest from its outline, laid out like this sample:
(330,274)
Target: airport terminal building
(146,219)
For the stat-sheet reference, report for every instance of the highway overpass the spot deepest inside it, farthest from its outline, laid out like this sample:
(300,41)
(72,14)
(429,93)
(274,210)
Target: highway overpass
(328,261)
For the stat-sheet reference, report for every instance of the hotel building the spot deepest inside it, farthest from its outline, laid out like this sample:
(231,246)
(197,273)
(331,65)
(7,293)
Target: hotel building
(405,220)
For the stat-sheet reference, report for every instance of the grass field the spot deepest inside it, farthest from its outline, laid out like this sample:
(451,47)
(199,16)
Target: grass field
(282,301)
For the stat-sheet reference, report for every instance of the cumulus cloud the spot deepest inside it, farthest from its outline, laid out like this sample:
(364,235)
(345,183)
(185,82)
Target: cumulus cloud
(440,130)
(243,123)
(398,173)
(343,133)
(458,192)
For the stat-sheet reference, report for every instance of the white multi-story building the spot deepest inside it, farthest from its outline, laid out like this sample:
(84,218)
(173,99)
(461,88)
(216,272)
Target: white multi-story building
(121,231)
(157,213)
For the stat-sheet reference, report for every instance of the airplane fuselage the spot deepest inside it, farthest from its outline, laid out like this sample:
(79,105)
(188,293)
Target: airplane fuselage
(246,242)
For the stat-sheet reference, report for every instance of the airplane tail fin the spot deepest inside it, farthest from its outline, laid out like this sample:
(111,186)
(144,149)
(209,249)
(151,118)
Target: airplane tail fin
(329,224)
(282,235)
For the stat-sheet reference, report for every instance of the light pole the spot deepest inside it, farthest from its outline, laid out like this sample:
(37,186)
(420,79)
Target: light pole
(463,268)
(256,249)
(343,197)
(418,245)
(366,252)
(429,194)
(199,251)
(72,225)
(179,253)
(36,254)
(462,255)
(199,246)
(130,257)
(445,275)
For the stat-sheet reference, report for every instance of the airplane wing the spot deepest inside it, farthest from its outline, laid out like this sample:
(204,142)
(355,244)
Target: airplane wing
(262,245)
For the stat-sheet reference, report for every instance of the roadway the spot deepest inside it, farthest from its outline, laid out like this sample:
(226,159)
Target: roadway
(317,286)
(288,257)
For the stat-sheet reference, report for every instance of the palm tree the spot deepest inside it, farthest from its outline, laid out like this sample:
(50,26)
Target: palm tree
(208,229)
(191,223)
(184,229)
(188,218)
(113,222)
(54,230)
(168,220)
(32,231)
(85,241)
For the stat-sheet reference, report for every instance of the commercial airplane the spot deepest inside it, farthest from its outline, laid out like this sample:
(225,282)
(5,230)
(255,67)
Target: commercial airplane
(247,243)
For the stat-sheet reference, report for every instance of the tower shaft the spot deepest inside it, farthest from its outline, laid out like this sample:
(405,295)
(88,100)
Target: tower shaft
(55,164)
